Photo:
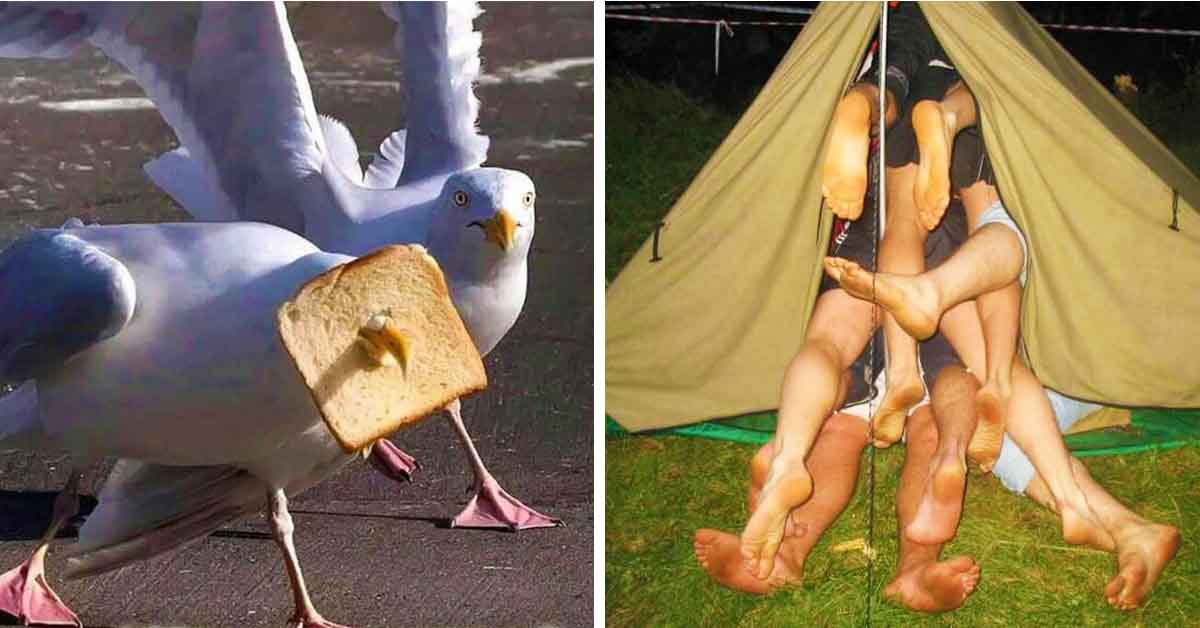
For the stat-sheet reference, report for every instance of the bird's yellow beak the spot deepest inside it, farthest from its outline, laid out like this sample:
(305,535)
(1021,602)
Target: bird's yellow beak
(383,341)
(500,229)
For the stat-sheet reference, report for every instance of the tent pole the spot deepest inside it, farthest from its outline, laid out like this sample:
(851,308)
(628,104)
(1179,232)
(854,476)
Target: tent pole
(879,225)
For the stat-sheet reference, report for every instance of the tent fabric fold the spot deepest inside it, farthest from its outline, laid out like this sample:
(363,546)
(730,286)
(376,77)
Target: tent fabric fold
(1113,294)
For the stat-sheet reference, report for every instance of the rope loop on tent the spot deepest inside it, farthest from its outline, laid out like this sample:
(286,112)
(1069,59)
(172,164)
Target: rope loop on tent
(1175,211)
(654,256)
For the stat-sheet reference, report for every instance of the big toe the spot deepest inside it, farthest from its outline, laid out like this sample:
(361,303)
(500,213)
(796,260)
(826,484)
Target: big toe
(704,537)
(962,564)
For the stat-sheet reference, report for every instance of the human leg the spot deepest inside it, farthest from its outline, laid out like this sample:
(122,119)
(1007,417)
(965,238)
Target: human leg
(902,250)
(1143,548)
(999,313)
(844,174)
(921,582)
(839,329)
(990,259)
(953,400)
(834,462)
(1036,432)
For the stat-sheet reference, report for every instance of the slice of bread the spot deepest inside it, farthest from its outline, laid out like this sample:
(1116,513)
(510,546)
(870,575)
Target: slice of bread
(362,396)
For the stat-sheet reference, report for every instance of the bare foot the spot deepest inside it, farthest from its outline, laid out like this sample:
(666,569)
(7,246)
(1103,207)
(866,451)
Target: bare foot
(941,504)
(719,553)
(1141,556)
(911,300)
(1080,526)
(788,485)
(931,190)
(844,175)
(985,444)
(903,392)
(935,587)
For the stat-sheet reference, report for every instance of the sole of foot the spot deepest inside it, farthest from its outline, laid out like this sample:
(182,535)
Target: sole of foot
(988,438)
(844,174)
(941,504)
(935,587)
(931,190)
(893,411)
(788,487)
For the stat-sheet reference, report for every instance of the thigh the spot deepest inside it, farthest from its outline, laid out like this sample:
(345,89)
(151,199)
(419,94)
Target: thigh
(901,208)
(977,198)
(969,162)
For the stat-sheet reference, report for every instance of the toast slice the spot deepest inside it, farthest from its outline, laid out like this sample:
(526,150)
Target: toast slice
(379,344)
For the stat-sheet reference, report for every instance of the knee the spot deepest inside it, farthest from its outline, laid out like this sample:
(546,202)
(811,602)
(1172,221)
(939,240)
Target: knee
(819,347)
(954,380)
(848,426)
(760,464)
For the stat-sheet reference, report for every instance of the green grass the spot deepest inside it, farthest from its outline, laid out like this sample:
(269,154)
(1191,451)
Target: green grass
(656,144)
(659,490)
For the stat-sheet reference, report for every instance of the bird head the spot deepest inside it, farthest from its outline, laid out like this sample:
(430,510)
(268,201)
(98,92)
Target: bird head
(483,217)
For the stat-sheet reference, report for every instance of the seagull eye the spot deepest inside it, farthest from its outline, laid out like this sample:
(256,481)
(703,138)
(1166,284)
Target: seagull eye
(460,198)
(529,199)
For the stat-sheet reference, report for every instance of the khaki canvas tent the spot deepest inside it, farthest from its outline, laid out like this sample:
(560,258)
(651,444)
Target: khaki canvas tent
(1111,309)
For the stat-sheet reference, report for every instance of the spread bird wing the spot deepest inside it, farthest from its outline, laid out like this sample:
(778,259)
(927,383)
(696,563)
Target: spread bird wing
(440,49)
(228,79)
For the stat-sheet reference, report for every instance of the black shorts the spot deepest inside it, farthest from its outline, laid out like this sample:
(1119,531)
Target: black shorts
(857,241)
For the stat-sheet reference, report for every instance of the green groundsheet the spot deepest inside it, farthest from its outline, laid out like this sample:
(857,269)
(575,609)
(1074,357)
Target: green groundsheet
(1150,428)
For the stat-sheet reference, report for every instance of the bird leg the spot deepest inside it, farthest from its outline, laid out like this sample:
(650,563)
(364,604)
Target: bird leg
(24,592)
(306,616)
(391,461)
(491,506)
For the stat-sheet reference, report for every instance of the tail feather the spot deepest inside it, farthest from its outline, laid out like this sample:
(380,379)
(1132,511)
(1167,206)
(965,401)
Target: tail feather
(147,509)
(384,171)
(342,148)
(184,179)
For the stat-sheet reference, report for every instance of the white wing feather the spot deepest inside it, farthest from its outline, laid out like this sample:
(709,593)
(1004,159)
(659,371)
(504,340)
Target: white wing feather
(441,63)
(226,77)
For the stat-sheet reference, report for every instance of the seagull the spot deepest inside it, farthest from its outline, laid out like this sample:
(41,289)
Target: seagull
(254,148)
(122,344)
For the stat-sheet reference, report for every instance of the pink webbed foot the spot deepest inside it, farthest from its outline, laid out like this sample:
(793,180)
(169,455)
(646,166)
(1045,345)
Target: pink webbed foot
(493,507)
(25,594)
(391,461)
(313,620)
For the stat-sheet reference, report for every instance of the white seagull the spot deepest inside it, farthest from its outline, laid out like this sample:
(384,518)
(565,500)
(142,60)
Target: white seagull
(253,148)
(157,344)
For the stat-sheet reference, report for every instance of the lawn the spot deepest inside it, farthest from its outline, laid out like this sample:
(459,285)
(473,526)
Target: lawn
(660,489)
